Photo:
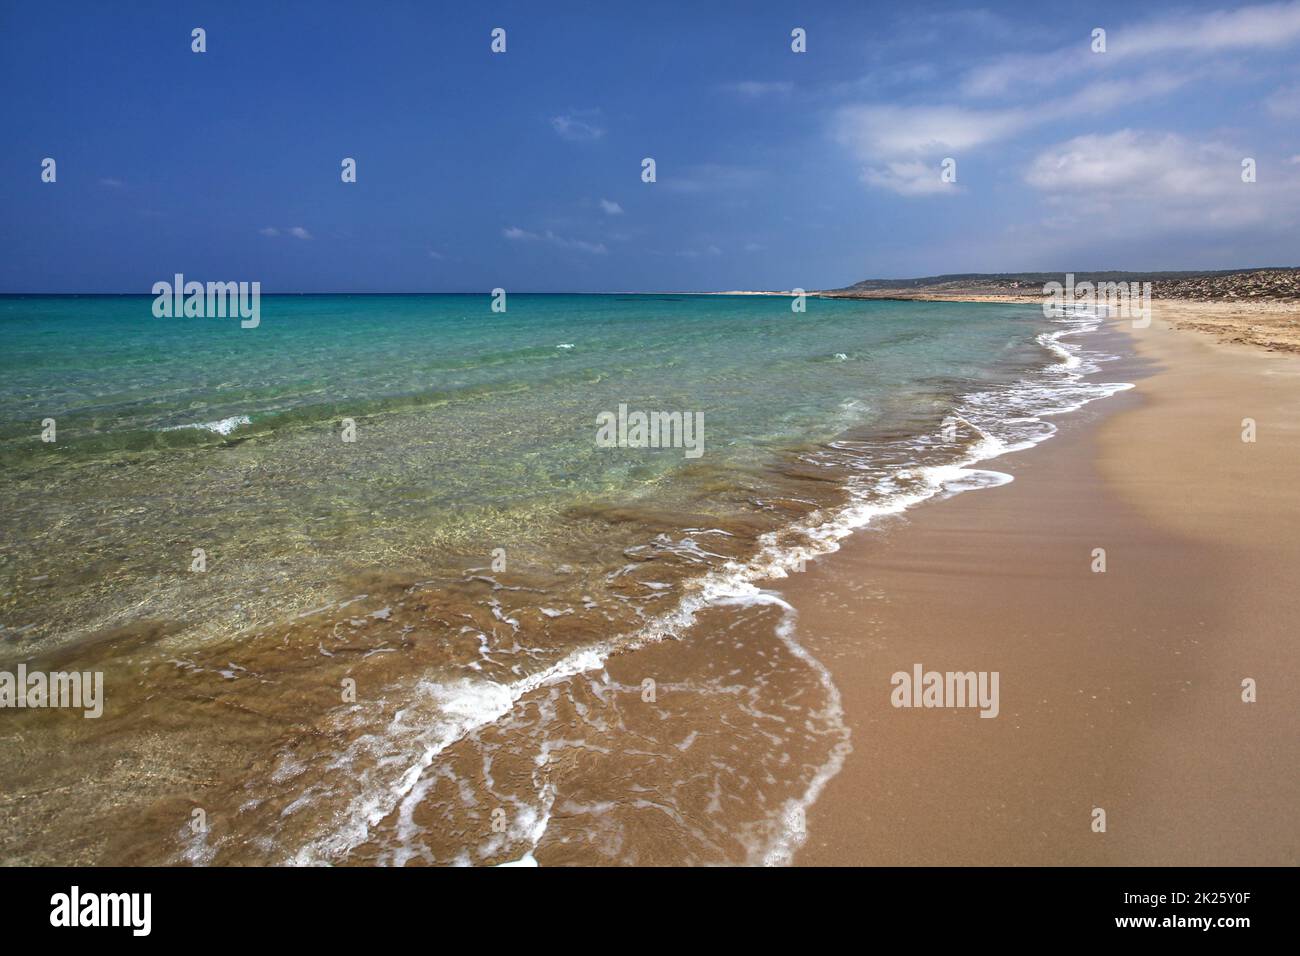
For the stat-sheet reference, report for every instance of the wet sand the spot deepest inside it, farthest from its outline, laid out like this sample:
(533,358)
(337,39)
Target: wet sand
(1119,690)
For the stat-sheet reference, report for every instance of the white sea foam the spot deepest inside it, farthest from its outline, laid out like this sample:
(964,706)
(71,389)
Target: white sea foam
(459,707)
(222,427)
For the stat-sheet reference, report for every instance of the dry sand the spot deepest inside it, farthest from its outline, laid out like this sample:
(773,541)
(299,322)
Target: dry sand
(1271,325)
(1119,690)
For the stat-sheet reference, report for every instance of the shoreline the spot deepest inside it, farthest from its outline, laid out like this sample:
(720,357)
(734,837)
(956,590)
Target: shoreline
(269,787)
(939,586)
(1119,690)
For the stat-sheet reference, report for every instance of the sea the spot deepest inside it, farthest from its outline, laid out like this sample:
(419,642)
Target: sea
(407,579)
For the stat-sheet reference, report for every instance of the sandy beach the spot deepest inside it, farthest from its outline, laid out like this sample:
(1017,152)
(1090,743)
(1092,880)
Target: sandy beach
(1272,325)
(1120,690)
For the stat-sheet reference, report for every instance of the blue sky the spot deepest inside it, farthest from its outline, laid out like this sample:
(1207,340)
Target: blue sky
(523,169)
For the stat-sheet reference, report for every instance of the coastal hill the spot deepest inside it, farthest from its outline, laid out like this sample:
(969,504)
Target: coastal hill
(1256,307)
(1227,284)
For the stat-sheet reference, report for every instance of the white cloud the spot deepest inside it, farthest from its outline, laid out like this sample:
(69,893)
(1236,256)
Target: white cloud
(902,146)
(1129,162)
(1271,26)
(757,89)
(578,125)
(298,232)
(1106,95)
(900,131)
(515,234)
(1021,70)
(1149,182)
(1261,27)
(908,178)
(611,208)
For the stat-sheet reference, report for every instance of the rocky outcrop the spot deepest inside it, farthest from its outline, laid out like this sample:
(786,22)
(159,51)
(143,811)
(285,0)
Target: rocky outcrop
(1264,284)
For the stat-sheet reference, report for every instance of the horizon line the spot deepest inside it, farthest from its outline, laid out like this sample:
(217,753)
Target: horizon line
(851,285)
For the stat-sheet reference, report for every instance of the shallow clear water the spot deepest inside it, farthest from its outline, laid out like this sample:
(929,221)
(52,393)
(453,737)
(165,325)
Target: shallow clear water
(496,584)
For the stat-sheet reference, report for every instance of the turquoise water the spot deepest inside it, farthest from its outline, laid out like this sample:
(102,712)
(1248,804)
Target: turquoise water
(493,584)
(115,376)
(474,431)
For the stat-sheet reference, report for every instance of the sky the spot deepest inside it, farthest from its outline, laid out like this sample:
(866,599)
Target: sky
(774,169)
